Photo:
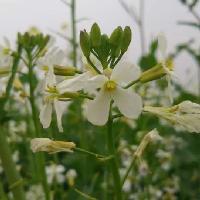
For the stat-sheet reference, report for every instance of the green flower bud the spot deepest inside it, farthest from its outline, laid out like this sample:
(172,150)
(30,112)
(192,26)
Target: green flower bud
(95,35)
(126,39)
(64,71)
(156,72)
(85,43)
(4,71)
(116,36)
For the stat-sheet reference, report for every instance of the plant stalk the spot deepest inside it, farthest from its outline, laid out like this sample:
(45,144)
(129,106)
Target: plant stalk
(113,162)
(40,157)
(10,168)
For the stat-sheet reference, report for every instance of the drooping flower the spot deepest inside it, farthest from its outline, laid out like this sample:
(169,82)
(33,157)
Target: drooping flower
(50,101)
(148,138)
(111,88)
(186,115)
(166,63)
(51,146)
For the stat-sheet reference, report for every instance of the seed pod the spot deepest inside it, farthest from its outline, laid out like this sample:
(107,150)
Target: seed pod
(126,39)
(85,43)
(95,35)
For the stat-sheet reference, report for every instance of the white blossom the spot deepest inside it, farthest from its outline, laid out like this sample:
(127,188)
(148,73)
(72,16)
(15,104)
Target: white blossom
(186,114)
(111,88)
(51,101)
(162,46)
(55,173)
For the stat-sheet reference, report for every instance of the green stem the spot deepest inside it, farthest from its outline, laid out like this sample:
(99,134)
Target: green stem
(118,59)
(73,18)
(113,162)
(92,65)
(10,168)
(128,171)
(16,60)
(98,156)
(2,193)
(40,158)
(131,84)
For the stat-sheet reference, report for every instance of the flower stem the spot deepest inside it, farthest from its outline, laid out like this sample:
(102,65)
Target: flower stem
(128,171)
(40,157)
(113,162)
(10,168)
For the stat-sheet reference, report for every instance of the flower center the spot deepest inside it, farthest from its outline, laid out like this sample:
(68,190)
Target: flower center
(169,63)
(110,85)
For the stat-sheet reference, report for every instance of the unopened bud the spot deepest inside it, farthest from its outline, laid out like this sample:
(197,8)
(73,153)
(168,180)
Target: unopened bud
(85,43)
(156,72)
(95,35)
(116,36)
(126,39)
(150,137)
(64,71)
(50,146)
(4,71)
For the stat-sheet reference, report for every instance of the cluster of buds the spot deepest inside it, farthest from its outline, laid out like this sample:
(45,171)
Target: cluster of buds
(33,45)
(108,50)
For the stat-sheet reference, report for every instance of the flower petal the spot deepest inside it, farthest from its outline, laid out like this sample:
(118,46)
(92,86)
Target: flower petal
(124,73)
(169,88)
(97,110)
(45,115)
(74,84)
(50,79)
(95,82)
(59,108)
(162,44)
(128,102)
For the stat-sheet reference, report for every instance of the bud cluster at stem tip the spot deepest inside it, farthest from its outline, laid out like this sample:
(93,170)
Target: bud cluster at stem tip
(108,50)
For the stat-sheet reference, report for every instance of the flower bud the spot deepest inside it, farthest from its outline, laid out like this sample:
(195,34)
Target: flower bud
(95,35)
(156,72)
(50,146)
(116,36)
(4,71)
(68,95)
(126,39)
(85,43)
(64,71)
(147,139)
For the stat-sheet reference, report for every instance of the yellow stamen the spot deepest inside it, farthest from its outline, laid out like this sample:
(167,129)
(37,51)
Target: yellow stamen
(110,85)
(169,64)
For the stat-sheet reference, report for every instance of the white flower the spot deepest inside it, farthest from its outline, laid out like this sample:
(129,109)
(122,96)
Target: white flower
(162,46)
(51,101)
(185,114)
(111,88)
(48,145)
(35,192)
(55,173)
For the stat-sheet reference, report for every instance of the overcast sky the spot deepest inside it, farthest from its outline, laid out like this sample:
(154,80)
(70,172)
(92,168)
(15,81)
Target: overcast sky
(160,16)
